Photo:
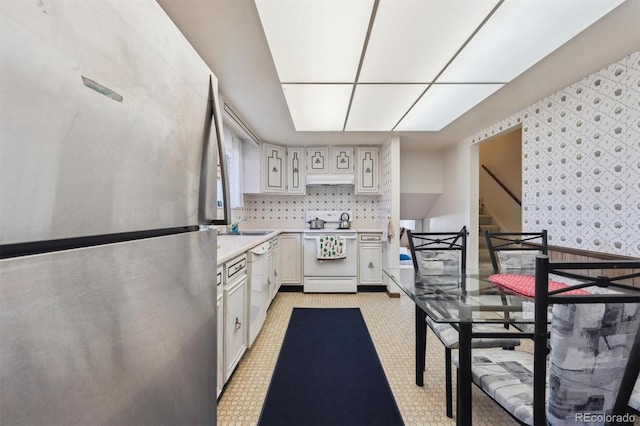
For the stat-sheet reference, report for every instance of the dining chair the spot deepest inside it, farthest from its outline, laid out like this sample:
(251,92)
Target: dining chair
(515,252)
(595,347)
(445,253)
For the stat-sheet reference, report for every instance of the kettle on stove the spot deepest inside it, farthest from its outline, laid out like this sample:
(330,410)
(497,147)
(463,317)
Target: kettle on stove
(344,221)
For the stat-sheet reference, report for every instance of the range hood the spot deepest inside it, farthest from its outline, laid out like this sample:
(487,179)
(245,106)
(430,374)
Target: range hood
(330,179)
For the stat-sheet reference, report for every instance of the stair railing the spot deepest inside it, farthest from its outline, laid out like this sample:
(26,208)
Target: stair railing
(503,186)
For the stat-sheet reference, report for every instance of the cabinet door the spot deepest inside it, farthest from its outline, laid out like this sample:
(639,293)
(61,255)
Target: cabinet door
(273,168)
(367,171)
(235,335)
(291,259)
(275,268)
(318,160)
(370,264)
(220,370)
(295,171)
(341,160)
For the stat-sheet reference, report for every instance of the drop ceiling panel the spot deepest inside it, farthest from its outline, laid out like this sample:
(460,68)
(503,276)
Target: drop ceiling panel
(315,40)
(442,104)
(318,107)
(519,35)
(412,40)
(378,107)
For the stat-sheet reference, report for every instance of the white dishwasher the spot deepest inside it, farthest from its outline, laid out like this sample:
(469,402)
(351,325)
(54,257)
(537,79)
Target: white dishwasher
(259,289)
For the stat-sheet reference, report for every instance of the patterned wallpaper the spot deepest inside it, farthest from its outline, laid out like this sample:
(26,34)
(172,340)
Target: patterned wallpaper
(581,161)
(385,181)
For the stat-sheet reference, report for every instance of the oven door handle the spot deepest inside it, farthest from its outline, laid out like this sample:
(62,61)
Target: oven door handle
(315,238)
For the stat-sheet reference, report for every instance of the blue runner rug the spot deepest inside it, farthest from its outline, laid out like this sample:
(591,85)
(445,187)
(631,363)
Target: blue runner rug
(328,373)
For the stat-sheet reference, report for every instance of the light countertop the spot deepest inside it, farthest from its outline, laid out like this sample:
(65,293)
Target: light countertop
(230,246)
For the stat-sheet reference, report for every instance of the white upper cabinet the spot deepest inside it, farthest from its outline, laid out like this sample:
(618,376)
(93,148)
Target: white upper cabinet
(273,169)
(296,171)
(329,160)
(318,160)
(367,170)
(274,178)
(341,160)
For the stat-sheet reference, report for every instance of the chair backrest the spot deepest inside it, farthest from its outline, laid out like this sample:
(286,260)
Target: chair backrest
(595,343)
(437,253)
(515,252)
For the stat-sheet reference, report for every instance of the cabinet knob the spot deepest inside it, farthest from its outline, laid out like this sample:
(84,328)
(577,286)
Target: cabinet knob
(370,265)
(238,324)
(367,170)
(275,273)
(275,170)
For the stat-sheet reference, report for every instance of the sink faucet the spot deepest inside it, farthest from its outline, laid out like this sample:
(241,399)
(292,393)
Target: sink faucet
(234,226)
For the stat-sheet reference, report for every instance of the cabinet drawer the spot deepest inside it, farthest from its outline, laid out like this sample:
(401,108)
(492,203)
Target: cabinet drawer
(370,238)
(236,267)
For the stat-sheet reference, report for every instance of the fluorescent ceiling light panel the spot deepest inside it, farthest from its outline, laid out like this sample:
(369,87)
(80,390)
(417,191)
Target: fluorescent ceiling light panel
(317,41)
(443,103)
(378,107)
(318,107)
(520,34)
(412,40)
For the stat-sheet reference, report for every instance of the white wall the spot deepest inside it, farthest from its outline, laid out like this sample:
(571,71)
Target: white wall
(451,211)
(420,182)
(459,197)
(421,172)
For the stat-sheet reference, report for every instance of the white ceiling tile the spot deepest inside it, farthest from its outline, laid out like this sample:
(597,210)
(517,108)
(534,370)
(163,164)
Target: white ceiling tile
(318,107)
(520,34)
(443,103)
(315,40)
(378,107)
(412,40)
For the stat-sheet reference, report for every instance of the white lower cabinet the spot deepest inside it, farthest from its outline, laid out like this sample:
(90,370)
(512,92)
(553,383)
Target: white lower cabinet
(274,271)
(291,259)
(220,373)
(370,259)
(235,317)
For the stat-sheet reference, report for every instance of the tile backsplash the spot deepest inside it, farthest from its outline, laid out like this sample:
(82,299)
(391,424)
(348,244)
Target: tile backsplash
(292,208)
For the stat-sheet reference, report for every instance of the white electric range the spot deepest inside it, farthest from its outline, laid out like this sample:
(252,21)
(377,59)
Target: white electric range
(335,275)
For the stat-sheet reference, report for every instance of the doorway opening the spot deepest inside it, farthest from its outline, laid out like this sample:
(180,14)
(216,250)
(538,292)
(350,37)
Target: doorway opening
(500,187)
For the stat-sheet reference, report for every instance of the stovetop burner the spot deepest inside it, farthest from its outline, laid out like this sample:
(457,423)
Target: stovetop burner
(331,219)
(331,230)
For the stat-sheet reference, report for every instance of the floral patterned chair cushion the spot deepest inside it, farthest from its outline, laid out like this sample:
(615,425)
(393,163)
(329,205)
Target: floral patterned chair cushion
(590,348)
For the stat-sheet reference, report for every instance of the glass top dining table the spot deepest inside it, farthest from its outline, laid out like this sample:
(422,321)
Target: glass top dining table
(462,300)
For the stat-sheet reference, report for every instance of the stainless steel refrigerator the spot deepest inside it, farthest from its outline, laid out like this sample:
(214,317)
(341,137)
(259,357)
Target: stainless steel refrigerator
(109,125)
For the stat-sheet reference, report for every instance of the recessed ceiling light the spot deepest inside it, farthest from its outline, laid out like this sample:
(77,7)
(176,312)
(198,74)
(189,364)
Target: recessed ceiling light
(315,41)
(318,107)
(442,104)
(378,107)
(519,35)
(412,41)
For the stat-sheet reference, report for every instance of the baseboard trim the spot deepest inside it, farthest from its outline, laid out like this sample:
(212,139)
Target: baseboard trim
(371,289)
(290,289)
(361,289)
(393,295)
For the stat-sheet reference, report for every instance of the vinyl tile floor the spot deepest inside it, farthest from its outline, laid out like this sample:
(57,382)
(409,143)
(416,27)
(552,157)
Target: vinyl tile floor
(391,324)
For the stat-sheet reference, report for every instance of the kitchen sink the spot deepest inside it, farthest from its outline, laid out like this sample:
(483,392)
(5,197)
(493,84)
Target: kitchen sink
(248,233)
